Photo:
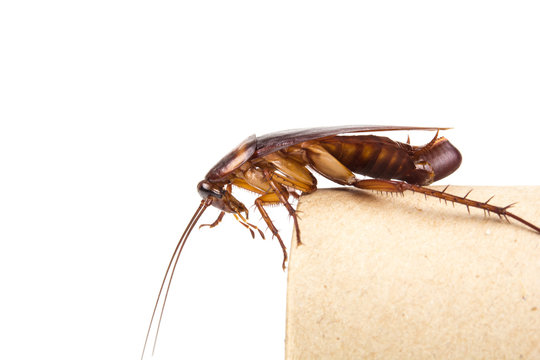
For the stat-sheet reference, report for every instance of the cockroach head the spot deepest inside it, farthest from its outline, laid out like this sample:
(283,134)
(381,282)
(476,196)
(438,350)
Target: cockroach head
(221,198)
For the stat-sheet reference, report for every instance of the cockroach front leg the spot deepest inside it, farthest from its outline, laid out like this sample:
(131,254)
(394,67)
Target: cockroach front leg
(243,221)
(216,222)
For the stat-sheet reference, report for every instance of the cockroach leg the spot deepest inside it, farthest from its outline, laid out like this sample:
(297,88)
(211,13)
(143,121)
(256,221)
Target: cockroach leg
(248,225)
(260,206)
(327,165)
(216,222)
(486,200)
(294,194)
(283,195)
(245,225)
(399,186)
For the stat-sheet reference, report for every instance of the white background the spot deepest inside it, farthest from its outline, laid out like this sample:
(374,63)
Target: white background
(112,111)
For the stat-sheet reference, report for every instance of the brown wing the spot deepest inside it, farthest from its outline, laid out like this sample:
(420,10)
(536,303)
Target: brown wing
(254,147)
(275,141)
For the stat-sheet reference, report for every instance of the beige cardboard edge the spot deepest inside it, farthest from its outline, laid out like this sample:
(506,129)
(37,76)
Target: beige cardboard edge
(404,277)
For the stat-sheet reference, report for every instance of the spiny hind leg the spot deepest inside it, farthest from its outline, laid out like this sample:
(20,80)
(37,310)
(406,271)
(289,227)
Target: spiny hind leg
(328,166)
(400,187)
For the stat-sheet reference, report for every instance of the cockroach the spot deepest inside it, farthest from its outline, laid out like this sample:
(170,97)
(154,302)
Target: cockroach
(277,167)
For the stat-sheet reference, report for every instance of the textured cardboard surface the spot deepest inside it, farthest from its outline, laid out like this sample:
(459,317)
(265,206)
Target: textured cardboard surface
(382,277)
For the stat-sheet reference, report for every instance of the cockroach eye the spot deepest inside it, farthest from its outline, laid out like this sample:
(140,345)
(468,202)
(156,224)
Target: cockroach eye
(206,189)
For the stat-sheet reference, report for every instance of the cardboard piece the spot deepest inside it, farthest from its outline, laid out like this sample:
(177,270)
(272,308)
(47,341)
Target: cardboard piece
(404,277)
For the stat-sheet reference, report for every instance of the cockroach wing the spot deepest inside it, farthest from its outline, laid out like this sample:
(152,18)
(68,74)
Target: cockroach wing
(269,143)
(233,160)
